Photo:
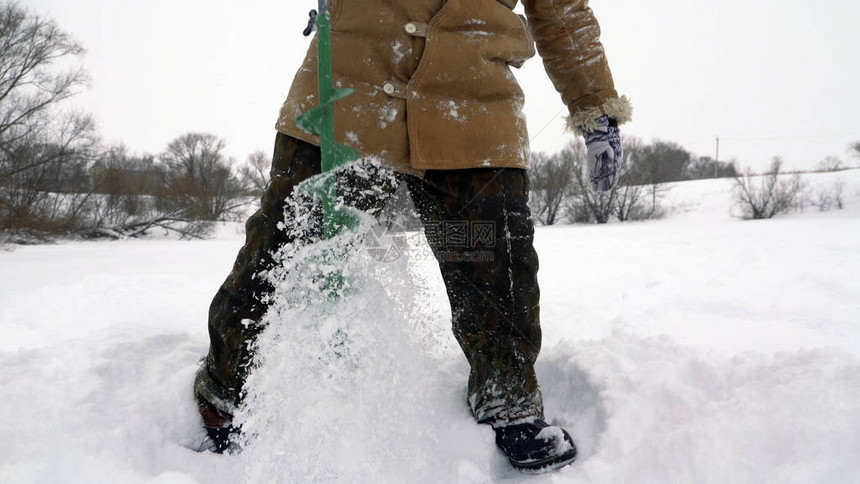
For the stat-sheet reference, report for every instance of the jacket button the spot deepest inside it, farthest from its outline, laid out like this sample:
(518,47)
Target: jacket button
(388,88)
(410,28)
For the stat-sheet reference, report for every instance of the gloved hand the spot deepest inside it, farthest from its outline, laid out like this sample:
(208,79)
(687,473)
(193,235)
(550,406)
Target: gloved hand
(604,153)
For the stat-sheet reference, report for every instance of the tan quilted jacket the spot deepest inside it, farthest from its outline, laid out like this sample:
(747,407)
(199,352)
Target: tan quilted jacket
(434,88)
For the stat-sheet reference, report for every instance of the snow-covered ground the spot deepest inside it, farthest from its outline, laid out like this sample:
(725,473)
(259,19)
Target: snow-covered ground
(698,348)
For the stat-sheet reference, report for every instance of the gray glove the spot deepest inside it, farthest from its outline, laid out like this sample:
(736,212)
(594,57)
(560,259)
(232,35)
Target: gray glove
(604,154)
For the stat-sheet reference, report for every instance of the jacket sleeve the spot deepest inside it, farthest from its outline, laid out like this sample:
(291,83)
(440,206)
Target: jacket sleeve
(568,39)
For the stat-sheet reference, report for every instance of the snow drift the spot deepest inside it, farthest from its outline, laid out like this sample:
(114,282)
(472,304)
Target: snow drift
(693,349)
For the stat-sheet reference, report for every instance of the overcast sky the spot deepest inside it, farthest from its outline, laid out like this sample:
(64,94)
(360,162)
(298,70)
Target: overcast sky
(770,77)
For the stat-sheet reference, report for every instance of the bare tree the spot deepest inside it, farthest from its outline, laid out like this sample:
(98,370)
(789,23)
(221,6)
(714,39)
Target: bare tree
(45,186)
(772,195)
(200,181)
(706,167)
(637,196)
(656,193)
(42,153)
(664,161)
(630,193)
(560,184)
(254,173)
(585,204)
(551,179)
(855,150)
(122,197)
(46,156)
(127,199)
(653,165)
(31,83)
(828,198)
(119,172)
(830,163)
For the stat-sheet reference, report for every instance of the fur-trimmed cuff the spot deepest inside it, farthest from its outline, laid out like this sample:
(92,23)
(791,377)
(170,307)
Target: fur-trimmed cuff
(619,108)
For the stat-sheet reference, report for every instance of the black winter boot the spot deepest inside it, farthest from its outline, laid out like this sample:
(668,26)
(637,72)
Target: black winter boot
(536,447)
(219,428)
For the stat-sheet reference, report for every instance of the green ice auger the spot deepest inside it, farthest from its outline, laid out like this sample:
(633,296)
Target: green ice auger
(320,121)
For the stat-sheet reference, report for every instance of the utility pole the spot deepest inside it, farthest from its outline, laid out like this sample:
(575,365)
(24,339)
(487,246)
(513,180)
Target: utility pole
(718,149)
(717,159)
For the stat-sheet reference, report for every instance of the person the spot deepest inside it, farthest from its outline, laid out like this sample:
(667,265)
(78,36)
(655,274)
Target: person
(436,101)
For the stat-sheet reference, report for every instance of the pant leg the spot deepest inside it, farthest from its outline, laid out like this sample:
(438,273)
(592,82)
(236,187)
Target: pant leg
(491,280)
(237,308)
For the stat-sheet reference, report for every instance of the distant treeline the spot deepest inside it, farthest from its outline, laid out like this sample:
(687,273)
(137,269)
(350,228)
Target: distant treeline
(561,192)
(58,178)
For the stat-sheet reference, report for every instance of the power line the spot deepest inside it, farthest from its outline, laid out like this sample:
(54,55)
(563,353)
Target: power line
(552,120)
(783,137)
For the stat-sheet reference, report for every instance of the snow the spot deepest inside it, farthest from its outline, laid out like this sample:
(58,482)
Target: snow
(387,114)
(698,348)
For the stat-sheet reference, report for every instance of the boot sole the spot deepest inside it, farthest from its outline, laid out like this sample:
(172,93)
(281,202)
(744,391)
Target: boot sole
(545,465)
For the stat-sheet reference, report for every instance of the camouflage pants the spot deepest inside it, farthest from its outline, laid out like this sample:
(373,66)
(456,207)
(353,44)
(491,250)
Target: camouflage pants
(492,287)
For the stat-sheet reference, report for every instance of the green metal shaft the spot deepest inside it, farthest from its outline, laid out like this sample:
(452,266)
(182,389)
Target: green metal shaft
(320,121)
(327,133)
(326,90)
